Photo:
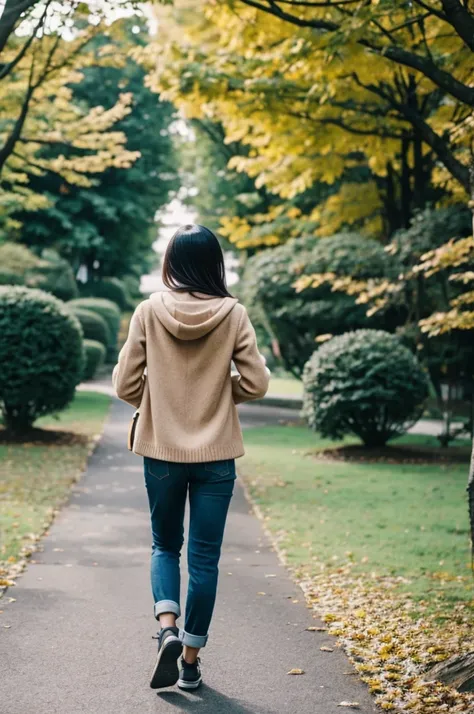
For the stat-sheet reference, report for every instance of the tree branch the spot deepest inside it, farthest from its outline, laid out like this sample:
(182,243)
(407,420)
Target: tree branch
(7,68)
(328,3)
(458,170)
(397,54)
(11,14)
(15,133)
(461,19)
(430,9)
(347,127)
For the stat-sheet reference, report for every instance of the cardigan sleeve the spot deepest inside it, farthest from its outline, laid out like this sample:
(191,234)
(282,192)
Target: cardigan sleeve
(253,378)
(128,376)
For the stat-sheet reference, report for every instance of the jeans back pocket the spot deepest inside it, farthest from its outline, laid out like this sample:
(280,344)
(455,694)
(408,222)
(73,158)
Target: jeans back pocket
(220,470)
(156,468)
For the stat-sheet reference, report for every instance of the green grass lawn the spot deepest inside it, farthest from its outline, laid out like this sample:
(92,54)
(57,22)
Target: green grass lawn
(35,478)
(390,519)
(285,387)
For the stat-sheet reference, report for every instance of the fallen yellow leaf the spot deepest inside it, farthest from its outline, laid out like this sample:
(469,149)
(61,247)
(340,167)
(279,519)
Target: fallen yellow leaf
(296,671)
(313,628)
(326,649)
(353,705)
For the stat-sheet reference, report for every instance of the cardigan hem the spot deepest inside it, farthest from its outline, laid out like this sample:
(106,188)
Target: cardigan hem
(198,455)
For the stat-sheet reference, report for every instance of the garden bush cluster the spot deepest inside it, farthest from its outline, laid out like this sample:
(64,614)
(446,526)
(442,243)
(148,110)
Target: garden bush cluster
(50,337)
(93,325)
(110,288)
(384,403)
(295,319)
(109,312)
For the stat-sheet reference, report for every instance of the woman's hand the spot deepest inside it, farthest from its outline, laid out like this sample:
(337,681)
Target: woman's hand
(264,360)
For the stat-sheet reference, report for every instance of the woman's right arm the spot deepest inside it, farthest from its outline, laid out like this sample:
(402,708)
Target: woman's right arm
(128,376)
(253,378)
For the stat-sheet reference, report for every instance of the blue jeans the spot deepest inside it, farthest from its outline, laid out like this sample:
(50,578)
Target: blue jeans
(210,487)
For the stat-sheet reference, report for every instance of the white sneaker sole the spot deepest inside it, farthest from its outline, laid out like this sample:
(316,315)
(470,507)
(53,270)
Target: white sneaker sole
(182,684)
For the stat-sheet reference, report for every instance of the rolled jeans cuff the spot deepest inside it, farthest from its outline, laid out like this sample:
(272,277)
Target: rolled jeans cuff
(192,640)
(163,606)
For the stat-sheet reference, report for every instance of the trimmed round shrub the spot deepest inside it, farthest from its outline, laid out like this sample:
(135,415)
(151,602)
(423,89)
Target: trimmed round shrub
(41,355)
(17,258)
(95,356)
(110,288)
(111,314)
(93,325)
(364,383)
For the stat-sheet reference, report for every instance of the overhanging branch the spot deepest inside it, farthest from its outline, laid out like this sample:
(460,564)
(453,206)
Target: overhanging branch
(395,53)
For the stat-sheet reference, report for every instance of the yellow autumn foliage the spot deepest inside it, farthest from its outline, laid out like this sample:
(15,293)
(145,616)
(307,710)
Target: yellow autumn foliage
(83,140)
(309,106)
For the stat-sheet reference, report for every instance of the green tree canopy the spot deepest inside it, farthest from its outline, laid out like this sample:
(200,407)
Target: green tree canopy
(109,227)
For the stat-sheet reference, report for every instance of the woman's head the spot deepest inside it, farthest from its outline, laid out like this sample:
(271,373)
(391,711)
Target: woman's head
(194,262)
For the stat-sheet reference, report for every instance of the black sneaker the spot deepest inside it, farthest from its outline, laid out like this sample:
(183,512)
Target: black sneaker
(170,647)
(189,674)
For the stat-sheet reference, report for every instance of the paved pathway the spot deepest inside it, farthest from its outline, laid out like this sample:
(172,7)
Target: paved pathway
(80,629)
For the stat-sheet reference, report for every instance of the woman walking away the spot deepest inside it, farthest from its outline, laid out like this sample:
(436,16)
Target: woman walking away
(175,368)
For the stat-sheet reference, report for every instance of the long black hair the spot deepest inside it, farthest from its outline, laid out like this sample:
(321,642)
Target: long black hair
(194,262)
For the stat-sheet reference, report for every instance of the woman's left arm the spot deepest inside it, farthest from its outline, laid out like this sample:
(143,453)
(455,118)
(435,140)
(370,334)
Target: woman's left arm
(128,376)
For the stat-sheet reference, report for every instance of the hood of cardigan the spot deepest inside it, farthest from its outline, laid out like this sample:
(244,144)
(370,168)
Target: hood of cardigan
(188,317)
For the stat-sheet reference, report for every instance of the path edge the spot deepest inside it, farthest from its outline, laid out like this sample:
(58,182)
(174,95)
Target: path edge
(18,568)
(258,513)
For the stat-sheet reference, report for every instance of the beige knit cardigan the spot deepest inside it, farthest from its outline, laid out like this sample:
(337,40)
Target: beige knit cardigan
(185,345)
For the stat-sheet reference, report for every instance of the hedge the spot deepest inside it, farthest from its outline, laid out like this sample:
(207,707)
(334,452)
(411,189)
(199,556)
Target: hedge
(95,356)
(110,313)
(93,325)
(41,354)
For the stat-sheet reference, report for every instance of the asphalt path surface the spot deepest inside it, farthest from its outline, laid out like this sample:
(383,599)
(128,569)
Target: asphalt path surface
(78,637)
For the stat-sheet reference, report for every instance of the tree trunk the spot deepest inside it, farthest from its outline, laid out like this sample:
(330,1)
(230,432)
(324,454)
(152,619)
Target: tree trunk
(405,183)
(18,419)
(470,481)
(392,209)
(457,672)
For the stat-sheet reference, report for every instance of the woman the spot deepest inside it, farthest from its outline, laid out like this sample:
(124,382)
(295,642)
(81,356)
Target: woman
(175,367)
